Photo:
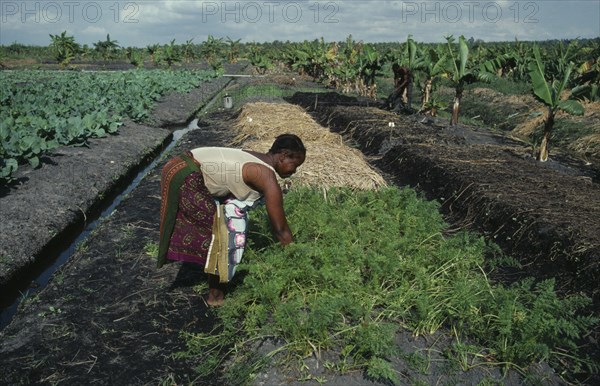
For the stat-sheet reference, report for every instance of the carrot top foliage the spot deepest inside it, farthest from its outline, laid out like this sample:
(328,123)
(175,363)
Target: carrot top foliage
(365,265)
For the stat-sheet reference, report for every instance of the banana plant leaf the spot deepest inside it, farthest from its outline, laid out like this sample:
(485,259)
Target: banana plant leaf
(541,88)
(572,107)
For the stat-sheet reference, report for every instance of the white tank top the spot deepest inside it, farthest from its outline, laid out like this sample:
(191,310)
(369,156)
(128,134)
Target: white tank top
(222,171)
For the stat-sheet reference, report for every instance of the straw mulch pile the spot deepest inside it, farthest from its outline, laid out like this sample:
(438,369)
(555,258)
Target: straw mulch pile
(329,162)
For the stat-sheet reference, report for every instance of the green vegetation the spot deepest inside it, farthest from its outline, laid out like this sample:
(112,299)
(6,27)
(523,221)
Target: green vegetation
(265,92)
(151,249)
(491,112)
(260,60)
(363,266)
(107,48)
(42,110)
(503,86)
(461,71)
(64,48)
(550,93)
(364,69)
(270,91)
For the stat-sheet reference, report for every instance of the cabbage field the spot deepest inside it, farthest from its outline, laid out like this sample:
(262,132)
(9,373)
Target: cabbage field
(41,110)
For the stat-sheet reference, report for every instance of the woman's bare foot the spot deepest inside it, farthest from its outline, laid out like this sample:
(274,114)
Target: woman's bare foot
(215,297)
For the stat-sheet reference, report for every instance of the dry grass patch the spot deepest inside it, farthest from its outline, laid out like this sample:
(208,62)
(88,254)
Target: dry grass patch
(589,144)
(329,162)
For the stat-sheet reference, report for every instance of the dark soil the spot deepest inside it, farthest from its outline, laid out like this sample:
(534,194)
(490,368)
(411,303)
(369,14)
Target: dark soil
(110,317)
(49,205)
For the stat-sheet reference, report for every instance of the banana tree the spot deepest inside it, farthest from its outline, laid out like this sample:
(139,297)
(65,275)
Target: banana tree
(369,67)
(431,65)
(410,61)
(107,48)
(460,74)
(153,49)
(333,62)
(212,51)
(259,59)
(188,51)
(519,58)
(349,69)
(588,81)
(550,94)
(134,56)
(169,54)
(64,48)
(562,55)
(233,49)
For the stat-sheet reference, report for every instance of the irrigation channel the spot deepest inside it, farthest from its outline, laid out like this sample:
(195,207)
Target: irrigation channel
(36,278)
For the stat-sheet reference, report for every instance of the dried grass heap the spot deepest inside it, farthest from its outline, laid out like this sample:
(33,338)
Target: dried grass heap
(329,162)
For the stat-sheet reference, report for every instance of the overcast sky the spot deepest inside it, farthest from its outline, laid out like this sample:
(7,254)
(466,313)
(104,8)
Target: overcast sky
(143,22)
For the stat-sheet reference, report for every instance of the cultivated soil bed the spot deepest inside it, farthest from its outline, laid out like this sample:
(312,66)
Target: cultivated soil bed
(109,316)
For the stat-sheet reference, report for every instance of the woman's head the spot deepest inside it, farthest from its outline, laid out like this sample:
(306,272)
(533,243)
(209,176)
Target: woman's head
(289,152)
(288,142)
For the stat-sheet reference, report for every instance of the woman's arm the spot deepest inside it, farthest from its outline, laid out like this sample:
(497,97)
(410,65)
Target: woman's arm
(262,179)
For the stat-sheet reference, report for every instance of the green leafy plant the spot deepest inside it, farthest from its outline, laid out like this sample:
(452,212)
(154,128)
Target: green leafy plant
(169,54)
(370,65)
(212,51)
(261,62)
(107,48)
(588,81)
(188,51)
(233,49)
(432,66)
(69,108)
(151,249)
(410,61)
(153,51)
(550,93)
(461,71)
(135,57)
(64,48)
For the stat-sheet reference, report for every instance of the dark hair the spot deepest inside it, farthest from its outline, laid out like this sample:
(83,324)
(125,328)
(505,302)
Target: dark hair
(289,142)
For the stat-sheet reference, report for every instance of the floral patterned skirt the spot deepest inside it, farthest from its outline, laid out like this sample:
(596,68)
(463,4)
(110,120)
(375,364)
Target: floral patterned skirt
(192,231)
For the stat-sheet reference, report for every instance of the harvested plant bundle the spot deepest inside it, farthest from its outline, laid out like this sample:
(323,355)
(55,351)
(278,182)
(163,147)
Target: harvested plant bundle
(329,162)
